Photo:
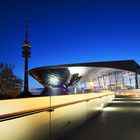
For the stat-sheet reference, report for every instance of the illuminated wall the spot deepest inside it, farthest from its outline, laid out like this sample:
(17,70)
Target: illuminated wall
(48,117)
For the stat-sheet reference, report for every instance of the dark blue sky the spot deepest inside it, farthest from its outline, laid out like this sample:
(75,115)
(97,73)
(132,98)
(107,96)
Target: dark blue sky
(69,31)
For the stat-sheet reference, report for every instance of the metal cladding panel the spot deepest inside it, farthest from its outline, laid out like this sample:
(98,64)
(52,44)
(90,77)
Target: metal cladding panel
(53,77)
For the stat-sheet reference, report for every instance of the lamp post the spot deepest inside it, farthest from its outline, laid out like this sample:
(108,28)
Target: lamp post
(26,53)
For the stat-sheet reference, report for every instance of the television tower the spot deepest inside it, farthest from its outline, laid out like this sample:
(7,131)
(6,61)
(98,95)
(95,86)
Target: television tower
(26,53)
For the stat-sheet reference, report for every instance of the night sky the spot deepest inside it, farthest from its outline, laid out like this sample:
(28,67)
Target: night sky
(69,31)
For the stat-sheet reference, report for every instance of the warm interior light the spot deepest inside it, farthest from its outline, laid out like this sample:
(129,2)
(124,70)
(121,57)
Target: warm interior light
(91,83)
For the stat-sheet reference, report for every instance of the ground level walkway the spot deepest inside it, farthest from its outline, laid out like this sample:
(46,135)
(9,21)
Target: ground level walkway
(118,121)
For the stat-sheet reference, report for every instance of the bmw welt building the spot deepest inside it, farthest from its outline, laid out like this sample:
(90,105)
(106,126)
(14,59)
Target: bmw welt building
(87,77)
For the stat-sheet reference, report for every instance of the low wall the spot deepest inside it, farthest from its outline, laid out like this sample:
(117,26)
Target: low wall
(132,90)
(129,92)
(48,117)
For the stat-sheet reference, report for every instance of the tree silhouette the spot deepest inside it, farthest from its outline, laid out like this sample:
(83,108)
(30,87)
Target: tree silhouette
(10,84)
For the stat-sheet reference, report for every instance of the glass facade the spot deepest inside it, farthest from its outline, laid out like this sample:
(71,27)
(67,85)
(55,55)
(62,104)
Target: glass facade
(110,81)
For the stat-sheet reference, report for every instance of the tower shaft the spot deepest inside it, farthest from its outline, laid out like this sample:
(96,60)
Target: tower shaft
(26,88)
(26,53)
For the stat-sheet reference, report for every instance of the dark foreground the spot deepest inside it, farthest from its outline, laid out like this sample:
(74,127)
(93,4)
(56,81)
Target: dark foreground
(118,121)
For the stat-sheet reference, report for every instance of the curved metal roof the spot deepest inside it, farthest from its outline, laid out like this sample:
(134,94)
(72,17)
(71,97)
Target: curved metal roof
(87,71)
(129,65)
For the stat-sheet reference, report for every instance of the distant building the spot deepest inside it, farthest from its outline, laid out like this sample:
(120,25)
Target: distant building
(87,77)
